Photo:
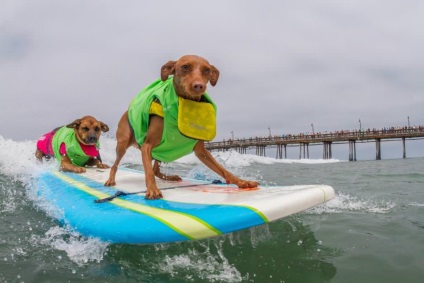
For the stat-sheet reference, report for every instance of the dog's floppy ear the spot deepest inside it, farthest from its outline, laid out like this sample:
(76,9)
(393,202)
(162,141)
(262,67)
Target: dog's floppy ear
(75,124)
(167,70)
(104,127)
(214,75)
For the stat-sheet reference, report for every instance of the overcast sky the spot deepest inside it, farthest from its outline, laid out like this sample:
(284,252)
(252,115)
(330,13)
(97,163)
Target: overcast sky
(283,64)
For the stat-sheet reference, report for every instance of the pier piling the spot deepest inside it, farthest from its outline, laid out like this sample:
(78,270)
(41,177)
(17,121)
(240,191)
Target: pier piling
(377,149)
(404,147)
(352,150)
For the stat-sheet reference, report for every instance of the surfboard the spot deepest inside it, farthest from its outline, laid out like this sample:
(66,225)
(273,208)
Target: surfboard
(190,209)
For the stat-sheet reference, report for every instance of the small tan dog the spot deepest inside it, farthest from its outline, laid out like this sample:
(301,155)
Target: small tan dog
(74,145)
(171,118)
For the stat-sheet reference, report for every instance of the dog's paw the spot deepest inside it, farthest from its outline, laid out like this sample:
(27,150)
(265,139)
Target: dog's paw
(110,183)
(153,194)
(174,178)
(103,166)
(79,170)
(243,184)
(72,168)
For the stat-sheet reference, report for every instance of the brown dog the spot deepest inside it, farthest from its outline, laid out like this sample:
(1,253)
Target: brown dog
(74,145)
(156,133)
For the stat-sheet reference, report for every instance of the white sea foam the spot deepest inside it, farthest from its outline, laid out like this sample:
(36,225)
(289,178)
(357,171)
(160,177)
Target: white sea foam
(232,158)
(207,265)
(347,203)
(17,158)
(79,249)
(416,204)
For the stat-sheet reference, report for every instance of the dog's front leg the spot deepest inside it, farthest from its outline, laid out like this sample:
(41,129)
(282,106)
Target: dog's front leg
(96,161)
(206,157)
(124,139)
(153,138)
(67,166)
(159,174)
(99,164)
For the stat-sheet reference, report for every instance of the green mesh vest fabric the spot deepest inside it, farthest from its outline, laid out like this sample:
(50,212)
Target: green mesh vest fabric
(73,148)
(173,145)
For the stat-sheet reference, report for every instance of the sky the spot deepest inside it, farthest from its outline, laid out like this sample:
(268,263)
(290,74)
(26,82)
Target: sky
(284,65)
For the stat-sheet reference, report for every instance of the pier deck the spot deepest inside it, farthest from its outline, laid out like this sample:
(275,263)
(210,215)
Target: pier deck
(326,139)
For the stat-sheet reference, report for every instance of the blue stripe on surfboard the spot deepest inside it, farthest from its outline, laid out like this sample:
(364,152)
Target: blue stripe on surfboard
(183,223)
(81,213)
(225,218)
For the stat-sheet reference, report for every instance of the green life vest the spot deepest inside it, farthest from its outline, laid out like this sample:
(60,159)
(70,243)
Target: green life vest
(73,148)
(174,143)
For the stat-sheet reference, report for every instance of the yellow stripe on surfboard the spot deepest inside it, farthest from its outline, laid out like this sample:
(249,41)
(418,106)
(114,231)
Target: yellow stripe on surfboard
(184,224)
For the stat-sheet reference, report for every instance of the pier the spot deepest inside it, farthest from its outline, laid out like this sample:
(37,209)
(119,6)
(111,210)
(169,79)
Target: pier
(302,141)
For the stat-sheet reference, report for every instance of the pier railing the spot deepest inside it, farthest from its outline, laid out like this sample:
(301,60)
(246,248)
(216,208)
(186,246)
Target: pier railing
(327,138)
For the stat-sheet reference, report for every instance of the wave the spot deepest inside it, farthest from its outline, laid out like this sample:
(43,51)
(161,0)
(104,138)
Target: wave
(17,157)
(232,158)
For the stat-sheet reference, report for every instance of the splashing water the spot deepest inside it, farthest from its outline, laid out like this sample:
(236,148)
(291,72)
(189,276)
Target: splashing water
(79,249)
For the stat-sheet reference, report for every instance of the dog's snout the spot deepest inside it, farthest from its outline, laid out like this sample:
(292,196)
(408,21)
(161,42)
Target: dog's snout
(92,139)
(198,87)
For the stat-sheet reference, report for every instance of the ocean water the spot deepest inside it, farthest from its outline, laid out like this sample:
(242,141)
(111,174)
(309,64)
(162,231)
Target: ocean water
(373,231)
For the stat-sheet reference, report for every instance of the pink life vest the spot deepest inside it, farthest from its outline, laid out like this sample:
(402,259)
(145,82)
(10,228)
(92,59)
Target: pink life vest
(44,144)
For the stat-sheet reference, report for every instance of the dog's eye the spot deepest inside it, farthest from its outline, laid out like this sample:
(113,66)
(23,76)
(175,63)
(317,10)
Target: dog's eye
(206,70)
(86,129)
(96,129)
(185,67)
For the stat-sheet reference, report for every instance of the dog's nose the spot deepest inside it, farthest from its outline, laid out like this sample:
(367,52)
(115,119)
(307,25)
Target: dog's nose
(198,87)
(92,139)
